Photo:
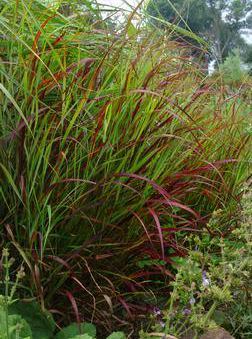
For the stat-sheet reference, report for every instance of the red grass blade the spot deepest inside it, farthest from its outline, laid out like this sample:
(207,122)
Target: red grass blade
(125,306)
(152,212)
(75,308)
(35,43)
(22,188)
(161,190)
(100,121)
(176,204)
(40,240)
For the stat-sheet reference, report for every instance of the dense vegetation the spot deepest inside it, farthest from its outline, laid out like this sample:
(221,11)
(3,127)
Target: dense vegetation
(116,150)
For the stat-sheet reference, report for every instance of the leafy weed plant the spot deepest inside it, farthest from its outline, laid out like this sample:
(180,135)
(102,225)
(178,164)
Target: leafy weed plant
(213,282)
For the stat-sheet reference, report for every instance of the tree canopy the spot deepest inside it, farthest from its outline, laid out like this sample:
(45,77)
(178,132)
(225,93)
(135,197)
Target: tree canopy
(219,22)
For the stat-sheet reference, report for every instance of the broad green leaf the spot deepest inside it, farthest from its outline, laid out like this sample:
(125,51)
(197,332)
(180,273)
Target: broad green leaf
(83,336)
(117,335)
(73,330)
(15,323)
(41,323)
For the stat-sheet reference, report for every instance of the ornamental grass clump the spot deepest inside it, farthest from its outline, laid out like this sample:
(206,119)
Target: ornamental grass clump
(112,143)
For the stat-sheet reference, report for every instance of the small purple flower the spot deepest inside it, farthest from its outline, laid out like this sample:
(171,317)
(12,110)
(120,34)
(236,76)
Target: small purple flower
(156,311)
(186,311)
(205,280)
(192,301)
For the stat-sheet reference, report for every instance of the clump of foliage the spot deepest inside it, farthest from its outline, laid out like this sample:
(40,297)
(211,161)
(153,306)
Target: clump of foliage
(20,320)
(112,143)
(233,74)
(212,284)
(15,326)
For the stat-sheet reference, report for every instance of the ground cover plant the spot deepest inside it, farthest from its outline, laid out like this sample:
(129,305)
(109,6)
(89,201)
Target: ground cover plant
(113,143)
(212,285)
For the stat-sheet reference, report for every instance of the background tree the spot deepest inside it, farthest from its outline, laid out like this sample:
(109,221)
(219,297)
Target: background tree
(220,22)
